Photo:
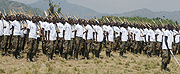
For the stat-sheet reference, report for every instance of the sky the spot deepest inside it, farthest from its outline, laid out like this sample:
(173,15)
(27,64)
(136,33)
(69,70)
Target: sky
(121,6)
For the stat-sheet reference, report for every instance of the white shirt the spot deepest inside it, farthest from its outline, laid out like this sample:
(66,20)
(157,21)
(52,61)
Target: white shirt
(176,37)
(132,31)
(110,33)
(68,31)
(137,34)
(73,33)
(7,29)
(124,36)
(152,35)
(17,27)
(61,27)
(142,38)
(90,32)
(46,29)
(53,34)
(159,37)
(146,33)
(33,30)
(100,33)
(80,30)
(169,40)
(1,27)
(116,29)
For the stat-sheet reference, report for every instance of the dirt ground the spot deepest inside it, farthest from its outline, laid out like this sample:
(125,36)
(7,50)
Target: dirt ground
(133,64)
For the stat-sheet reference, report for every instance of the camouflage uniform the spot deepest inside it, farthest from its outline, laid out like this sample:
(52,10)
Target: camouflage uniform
(109,48)
(59,47)
(66,48)
(31,45)
(96,47)
(151,48)
(137,47)
(72,46)
(15,46)
(116,43)
(123,47)
(78,46)
(158,48)
(165,58)
(175,45)
(50,49)
(5,44)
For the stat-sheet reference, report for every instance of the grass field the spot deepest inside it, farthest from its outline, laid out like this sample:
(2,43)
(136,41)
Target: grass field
(133,64)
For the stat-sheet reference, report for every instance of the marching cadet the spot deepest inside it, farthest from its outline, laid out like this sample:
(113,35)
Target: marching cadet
(67,31)
(159,35)
(175,40)
(145,35)
(1,31)
(31,39)
(151,40)
(116,42)
(6,36)
(166,47)
(16,36)
(89,39)
(124,35)
(73,38)
(52,34)
(141,39)
(98,37)
(59,48)
(109,39)
(137,36)
(79,35)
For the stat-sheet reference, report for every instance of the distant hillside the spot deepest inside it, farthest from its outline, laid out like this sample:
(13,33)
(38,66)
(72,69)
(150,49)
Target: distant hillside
(175,16)
(66,7)
(8,5)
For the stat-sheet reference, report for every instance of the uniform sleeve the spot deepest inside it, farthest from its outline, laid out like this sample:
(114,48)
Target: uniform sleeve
(29,26)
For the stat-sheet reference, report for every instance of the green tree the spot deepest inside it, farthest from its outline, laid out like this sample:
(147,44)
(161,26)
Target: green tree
(52,7)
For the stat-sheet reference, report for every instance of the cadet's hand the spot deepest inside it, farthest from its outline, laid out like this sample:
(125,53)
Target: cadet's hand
(57,31)
(4,26)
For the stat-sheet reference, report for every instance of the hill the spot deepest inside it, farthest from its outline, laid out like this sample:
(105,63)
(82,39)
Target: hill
(175,16)
(9,5)
(66,7)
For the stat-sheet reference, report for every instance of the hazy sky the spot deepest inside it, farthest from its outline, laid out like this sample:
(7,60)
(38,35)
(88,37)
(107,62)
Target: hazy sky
(121,6)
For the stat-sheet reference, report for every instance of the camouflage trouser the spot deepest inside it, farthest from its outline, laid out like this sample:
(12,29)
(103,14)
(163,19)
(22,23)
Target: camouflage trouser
(96,46)
(109,46)
(166,56)
(158,46)
(175,46)
(66,46)
(116,43)
(178,48)
(31,45)
(104,42)
(15,44)
(51,47)
(123,46)
(1,42)
(78,43)
(137,46)
(37,44)
(21,43)
(151,47)
(89,45)
(59,46)
(5,44)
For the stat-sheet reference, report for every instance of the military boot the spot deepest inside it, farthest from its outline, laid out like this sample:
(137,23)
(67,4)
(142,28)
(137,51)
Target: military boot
(31,57)
(28,57)
(149,54)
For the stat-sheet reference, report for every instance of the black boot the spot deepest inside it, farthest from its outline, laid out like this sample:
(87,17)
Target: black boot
(107,54)
(31,57)
(51,56)
(149,54)
(15,55)
(28,57)
(97,54)
(121,53)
